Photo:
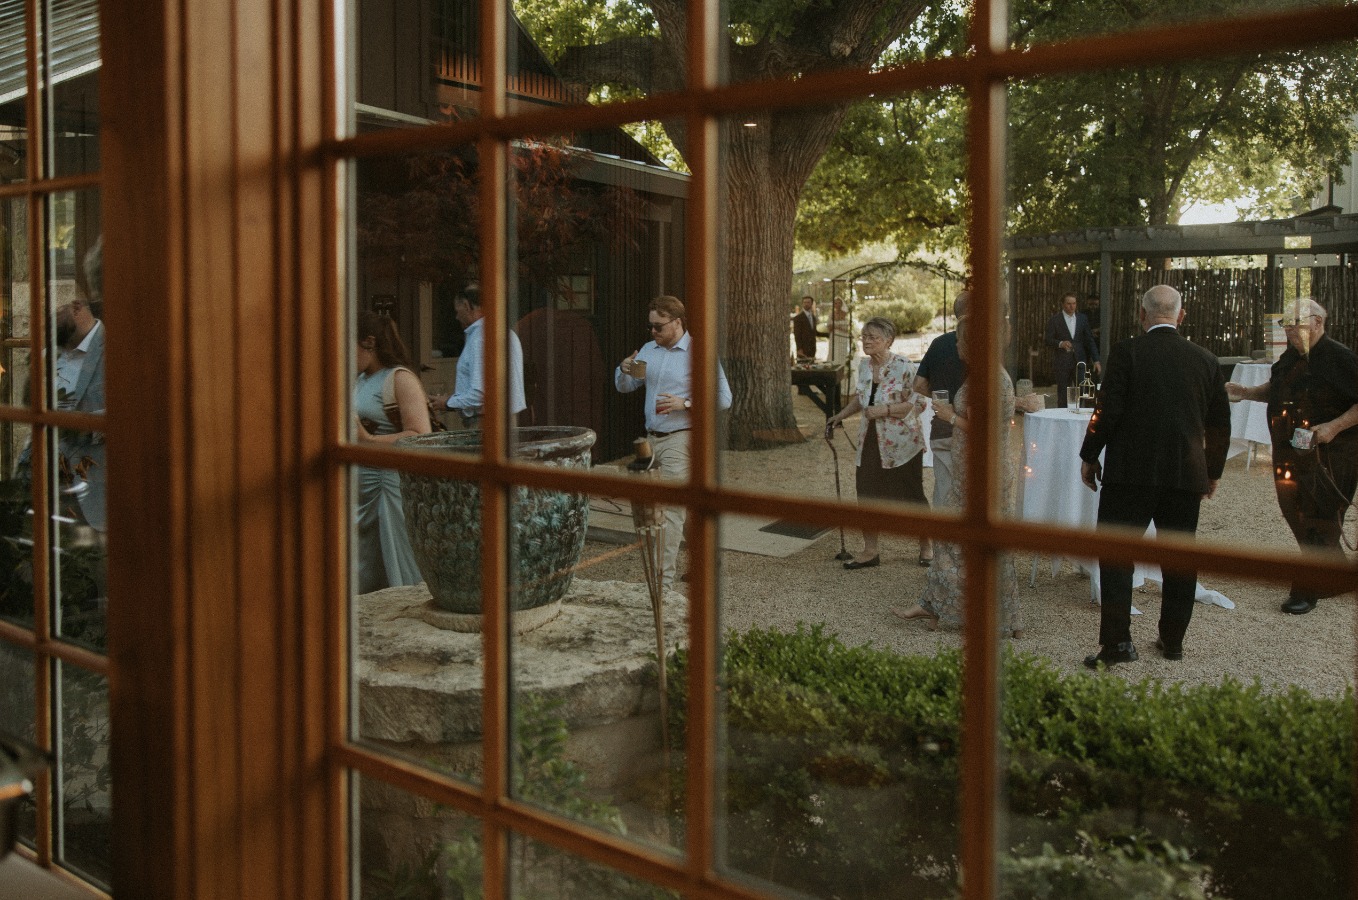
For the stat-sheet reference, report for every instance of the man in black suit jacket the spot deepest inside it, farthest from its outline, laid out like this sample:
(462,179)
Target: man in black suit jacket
(1072,342)
(1165,422)
(804,329)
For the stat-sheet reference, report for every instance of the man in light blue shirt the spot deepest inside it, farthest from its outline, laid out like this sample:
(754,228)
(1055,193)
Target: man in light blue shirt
(664,367)
(468,394)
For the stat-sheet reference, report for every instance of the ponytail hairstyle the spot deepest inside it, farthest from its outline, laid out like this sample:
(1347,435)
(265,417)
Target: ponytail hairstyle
(387,344)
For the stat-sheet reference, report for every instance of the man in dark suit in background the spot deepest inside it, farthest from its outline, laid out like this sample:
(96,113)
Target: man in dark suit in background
(804,329)
(1165,422)
(1072,342)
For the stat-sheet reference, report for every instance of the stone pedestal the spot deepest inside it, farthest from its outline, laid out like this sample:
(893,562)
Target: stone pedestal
(419,692)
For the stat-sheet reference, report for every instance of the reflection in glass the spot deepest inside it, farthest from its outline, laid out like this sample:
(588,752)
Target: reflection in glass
(409,847)
(84,784)
(18,707)
(16,541)
(593,719)
(389,404)
(839,763)
(416,63)
(418,664)
(80,541)
(539,871)
(13,94)
(1035,22)
(1168,772)
(71,83)
(15,293)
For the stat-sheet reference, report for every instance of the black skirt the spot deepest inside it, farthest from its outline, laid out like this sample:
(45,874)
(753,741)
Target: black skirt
(904,482)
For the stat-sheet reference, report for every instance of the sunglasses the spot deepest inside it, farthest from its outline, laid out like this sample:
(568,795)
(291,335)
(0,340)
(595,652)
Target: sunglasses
(658,326)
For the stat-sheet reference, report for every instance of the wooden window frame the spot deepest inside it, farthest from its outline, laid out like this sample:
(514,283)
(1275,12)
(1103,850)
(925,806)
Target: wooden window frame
(228,664)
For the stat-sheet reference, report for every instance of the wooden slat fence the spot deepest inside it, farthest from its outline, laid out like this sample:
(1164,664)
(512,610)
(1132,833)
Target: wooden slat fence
(1226,308)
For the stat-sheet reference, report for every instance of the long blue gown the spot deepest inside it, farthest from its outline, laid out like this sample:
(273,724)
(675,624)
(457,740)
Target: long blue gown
(384,555)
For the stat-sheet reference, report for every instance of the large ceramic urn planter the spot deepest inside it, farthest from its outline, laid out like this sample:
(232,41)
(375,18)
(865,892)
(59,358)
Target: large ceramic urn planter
(443,519)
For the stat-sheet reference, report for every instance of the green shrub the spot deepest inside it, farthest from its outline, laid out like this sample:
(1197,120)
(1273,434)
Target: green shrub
(841,773)
(907,314)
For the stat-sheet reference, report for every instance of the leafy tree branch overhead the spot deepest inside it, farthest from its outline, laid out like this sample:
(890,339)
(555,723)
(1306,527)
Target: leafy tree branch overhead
(638,48)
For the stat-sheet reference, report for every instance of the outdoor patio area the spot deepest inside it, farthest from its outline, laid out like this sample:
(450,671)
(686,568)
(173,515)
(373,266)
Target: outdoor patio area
(1253,640)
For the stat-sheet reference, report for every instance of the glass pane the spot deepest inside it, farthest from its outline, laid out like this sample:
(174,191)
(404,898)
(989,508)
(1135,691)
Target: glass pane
(412,277)
(839,727)
(1090,248)
(85,811)
(75,260)
(1225,772)
(595,734)
(409,847)
(540,872)
(1033,21)
(418,674)
(18,711)
(415,63)
(16,538)
(16,293)
(13,93)
(563,53)
(72,86)
(80,529)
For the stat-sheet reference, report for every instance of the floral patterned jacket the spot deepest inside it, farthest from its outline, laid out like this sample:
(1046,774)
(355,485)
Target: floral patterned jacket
(899,438)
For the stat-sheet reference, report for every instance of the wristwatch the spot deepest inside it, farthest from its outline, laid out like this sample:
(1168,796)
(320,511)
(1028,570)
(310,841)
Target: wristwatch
(688,404)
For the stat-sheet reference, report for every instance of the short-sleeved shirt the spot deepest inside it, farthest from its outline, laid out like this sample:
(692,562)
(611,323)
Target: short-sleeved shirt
(943,368)
(1320,387)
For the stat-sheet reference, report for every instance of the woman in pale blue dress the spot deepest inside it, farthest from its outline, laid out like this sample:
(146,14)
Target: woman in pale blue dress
(383,547)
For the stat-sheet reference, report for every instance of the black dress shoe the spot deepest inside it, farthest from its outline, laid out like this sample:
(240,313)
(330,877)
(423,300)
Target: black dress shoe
(865,564)
(1167,651)
(1111,656)
(1299,606)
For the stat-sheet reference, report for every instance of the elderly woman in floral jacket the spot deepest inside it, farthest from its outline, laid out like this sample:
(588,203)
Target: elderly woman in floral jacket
(890,440)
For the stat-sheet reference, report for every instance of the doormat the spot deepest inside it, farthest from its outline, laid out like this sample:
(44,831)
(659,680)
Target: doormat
(799,530)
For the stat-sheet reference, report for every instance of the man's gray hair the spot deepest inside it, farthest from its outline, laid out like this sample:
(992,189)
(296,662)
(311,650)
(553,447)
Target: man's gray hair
(1162,302)
(1302,307)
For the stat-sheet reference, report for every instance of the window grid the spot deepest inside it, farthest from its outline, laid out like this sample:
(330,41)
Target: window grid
(48,649)
(984,534)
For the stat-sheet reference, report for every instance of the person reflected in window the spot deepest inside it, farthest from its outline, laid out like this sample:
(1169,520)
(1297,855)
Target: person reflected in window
(942,601)
(390,404)
(890,459)
(79,386)
(664,367)
(1313,388)
(469,394)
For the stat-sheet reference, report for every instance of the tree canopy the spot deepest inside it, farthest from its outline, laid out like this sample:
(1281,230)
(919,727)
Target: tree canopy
(1123,147)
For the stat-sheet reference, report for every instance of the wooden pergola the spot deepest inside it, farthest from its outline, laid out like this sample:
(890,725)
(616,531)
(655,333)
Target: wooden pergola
(1227,300)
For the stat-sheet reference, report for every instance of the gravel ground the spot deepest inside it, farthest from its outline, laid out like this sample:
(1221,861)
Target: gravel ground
(1253,641)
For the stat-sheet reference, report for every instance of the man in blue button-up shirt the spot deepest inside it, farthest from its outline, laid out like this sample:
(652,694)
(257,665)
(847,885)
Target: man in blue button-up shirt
(665,371)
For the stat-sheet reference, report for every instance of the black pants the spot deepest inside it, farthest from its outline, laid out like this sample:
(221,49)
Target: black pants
(1137,507)
(1314,489)
(1063,373)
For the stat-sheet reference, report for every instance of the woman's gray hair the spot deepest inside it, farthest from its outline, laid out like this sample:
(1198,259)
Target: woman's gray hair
(882,326)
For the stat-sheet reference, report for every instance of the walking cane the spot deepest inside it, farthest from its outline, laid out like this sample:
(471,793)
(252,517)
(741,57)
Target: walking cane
(830,439)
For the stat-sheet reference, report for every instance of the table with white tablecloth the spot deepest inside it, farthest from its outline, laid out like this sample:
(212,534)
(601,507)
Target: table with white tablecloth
(1050,490)
(1249,418)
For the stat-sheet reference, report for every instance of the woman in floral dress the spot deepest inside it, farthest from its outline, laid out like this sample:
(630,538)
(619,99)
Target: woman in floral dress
(890,462)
